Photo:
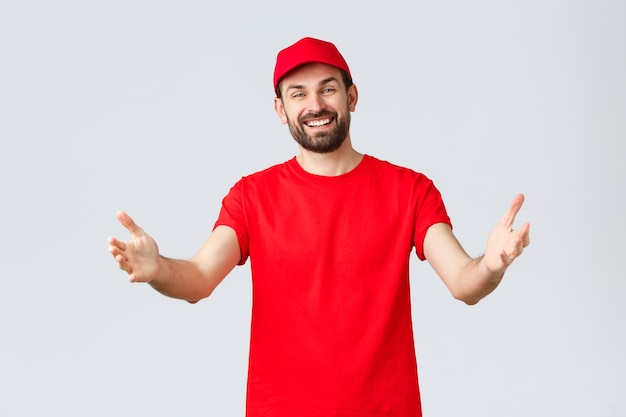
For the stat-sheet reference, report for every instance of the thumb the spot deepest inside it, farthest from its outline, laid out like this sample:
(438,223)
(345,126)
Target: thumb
(129,224)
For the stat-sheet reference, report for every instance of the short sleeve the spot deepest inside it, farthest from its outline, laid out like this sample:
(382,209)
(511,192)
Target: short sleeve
(429,211)
(232,214)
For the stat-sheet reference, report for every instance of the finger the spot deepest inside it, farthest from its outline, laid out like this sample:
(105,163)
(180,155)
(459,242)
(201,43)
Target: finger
(520,241)
(123,264)
(519,246)
(525,234)
(509,255)
(505,258)
(114,250)
(509,218)
(113,242)
(129,224)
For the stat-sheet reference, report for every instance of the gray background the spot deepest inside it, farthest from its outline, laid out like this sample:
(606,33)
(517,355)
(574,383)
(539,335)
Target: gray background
(158,107)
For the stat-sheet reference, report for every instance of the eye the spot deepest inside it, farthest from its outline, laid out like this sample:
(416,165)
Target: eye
(297,95)
(328,90)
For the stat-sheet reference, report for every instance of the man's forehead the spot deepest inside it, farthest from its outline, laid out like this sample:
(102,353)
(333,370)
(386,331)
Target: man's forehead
(314,73)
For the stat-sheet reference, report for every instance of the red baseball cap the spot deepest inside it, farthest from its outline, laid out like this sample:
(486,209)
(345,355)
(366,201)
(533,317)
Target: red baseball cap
(306,51)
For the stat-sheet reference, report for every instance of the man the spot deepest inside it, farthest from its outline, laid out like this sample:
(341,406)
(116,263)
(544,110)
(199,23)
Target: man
(329,234)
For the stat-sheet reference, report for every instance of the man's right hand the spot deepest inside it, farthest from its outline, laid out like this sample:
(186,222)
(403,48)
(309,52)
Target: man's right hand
(139,257)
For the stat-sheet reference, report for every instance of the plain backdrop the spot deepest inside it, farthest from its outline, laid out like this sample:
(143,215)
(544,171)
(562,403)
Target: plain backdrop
(158,107)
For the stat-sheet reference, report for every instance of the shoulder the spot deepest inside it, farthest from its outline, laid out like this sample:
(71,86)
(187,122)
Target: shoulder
(267,181)
(390,170)
(267,174)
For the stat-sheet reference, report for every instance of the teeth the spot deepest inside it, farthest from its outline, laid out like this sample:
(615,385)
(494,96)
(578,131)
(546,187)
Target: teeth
(317,123)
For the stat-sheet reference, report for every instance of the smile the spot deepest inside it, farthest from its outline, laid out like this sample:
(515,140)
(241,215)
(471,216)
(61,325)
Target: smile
(318,123)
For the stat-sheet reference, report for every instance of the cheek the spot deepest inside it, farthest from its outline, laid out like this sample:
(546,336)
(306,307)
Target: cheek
(290,115)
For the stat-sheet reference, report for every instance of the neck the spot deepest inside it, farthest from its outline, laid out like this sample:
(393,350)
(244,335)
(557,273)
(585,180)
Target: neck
(331,164)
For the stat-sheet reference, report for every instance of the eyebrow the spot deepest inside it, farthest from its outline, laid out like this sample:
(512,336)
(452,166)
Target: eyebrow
(323,82)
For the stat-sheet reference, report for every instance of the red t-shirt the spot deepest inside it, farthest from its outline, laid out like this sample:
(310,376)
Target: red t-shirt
(331,330)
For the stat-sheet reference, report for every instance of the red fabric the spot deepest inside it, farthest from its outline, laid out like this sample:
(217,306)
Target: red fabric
(331,319)
(306,51)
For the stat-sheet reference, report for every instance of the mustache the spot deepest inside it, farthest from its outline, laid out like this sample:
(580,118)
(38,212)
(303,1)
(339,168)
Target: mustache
(317,115)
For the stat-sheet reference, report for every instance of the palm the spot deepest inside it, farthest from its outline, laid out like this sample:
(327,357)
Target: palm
(139,256)
(505,244)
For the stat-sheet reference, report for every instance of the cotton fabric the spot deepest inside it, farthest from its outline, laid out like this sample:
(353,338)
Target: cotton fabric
(331,330)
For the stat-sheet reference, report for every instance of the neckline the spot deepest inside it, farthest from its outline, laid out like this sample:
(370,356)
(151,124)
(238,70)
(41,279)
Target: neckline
(325,179)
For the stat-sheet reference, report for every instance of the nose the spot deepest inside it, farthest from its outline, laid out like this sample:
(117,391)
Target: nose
(315,103)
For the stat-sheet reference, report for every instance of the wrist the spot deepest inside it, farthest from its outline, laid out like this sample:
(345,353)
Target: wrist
(487,271)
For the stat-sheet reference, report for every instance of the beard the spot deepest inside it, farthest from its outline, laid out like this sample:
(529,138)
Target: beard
(322,142)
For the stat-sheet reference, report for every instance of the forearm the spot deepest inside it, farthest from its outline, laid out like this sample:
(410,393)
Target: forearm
(182,279)
(470,280)
(475,281)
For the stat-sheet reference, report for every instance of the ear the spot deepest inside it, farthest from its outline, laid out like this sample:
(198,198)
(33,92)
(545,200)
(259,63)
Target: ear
(279,108)
(353,97)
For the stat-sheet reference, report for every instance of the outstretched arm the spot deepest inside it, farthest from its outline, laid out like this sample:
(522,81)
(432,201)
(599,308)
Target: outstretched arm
(468,279)
(189,280)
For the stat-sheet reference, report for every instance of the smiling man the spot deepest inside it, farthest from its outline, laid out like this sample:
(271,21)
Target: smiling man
(328,129)
(329,235)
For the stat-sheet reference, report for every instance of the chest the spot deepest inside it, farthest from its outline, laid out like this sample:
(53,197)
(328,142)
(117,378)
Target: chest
(364,224)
